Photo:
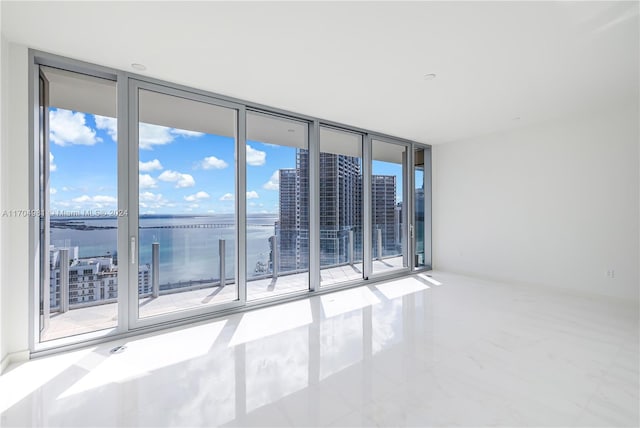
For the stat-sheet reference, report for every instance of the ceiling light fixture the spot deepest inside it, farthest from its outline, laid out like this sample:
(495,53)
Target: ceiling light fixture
(429,76)
(138,67)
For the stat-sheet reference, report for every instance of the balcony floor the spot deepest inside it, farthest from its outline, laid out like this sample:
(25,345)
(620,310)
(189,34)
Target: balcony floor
(99,317)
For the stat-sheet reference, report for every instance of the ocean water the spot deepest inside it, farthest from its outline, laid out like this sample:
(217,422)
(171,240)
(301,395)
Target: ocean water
(187,252)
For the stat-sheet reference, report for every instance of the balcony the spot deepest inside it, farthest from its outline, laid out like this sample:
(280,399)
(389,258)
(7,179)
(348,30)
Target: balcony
(93,316)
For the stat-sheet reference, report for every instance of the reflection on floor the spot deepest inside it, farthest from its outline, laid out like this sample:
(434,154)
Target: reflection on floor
(93,318)
(440,350)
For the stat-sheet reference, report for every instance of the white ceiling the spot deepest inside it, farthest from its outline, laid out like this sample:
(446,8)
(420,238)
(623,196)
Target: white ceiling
(363,63)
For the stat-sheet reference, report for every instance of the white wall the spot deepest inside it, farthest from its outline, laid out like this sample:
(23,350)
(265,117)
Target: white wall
(3,74)
(14,180)
(555,205)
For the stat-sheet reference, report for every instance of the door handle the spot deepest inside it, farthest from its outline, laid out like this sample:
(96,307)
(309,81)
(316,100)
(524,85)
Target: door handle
(133,250)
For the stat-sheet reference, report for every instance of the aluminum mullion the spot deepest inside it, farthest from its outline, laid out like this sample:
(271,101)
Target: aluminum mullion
(74,65)
(133,208)
(241,206)
(428,215)
(407,202)
(34,203)
(367,263)
(314,206)
(122,114)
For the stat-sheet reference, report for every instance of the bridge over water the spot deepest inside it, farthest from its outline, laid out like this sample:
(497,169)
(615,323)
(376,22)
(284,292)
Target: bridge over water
(202,226)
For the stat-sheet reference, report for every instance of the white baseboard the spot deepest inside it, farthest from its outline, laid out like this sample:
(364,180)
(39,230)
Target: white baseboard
(14,357)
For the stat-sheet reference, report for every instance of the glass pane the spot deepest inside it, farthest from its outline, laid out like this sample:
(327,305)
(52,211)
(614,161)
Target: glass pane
(187,221)
(387,191)
(419,208)
(340,206)
(78,133)
(277,206)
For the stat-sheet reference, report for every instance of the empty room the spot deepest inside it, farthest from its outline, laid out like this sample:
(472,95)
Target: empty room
(345,214)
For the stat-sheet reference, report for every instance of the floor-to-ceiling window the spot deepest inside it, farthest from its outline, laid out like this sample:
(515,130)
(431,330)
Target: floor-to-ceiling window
(78,203)
(187,223)
(277,206)
(421,224)
(160,203)
(417,231)
(340,186)
(388,206)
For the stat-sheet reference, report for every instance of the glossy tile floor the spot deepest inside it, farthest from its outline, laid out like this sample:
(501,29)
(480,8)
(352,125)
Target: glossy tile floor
(444,350)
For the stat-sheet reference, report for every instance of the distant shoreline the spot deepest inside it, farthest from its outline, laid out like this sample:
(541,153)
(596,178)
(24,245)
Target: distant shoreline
(157,216)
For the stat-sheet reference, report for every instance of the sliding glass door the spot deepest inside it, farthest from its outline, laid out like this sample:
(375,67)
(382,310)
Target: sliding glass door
(341,206)
(421,231)
(184,255)
(277,197)
(158,203)
(389,206)
(418,231)
(78,215)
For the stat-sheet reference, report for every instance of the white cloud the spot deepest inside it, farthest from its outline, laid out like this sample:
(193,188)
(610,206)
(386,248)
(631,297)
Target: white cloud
(181,180)
(52,166)
(252,194)
(255,157)
(67,128)
(83,198)
(99,200)
(145,181)
(197,196)
(213,162)
(151,165)
(186,181)
(156,135)
(60,204)
(149,196)
(274,182)
(185,133)
(152,200)
(194,206)
(153,135)
(108,124)
(104,199)
(53,191)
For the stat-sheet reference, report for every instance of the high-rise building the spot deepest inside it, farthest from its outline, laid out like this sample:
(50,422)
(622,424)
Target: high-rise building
(289,225)
(386,215)
(90,279)
(340,208)
(340,211)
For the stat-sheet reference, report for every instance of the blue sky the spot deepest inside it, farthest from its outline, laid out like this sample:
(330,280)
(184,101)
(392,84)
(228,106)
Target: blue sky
(181,172)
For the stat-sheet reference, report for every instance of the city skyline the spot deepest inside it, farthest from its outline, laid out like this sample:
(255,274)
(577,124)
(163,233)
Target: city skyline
(341,208)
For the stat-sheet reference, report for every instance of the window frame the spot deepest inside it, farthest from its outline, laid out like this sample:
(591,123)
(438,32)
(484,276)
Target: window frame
(124,81)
